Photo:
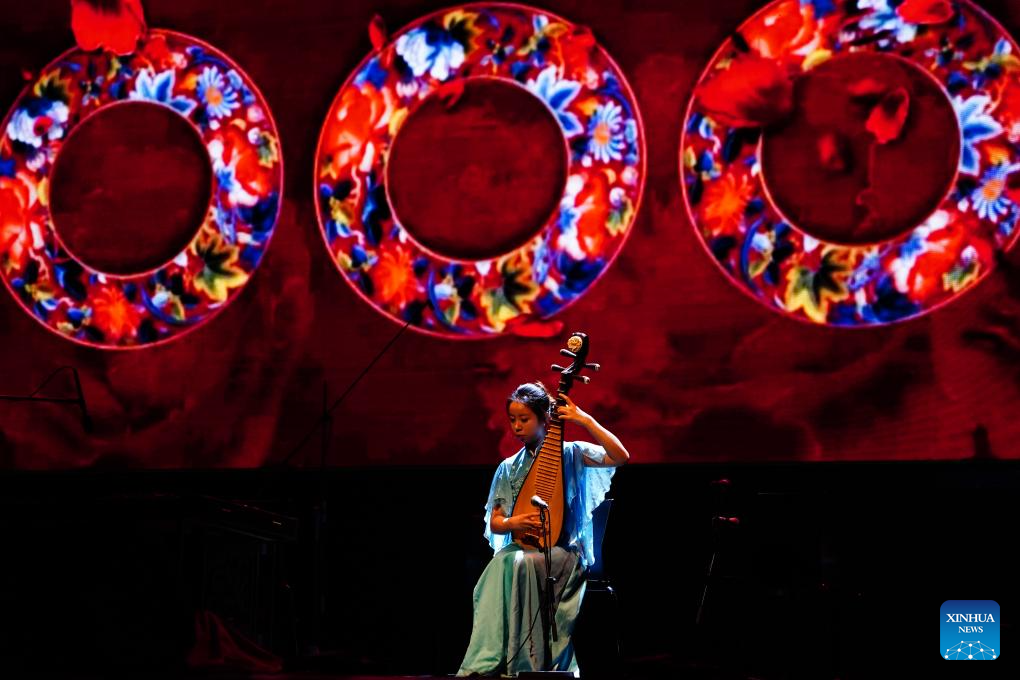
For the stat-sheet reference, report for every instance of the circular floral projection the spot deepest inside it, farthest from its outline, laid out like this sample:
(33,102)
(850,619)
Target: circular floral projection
(555,61)
(237,130)
(853,164)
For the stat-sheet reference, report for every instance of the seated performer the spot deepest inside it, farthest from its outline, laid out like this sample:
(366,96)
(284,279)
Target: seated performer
(508,635)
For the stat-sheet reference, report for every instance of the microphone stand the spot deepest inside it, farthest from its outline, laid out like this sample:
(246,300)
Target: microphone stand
(550,582)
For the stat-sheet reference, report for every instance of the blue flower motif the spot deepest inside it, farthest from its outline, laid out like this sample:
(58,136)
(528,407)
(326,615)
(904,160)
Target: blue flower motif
(216,93)
(374,73)
(376,209)
(630,131)
(542,261)
(226,181)
(915,245)
(159,88)
(884,19)
(236,82)
(224,219)
(37,119)
(605,137)
(578,275)
(866,271)
(557,94)
(431,49)
(1008,224)
(976,125)
(569,215)
(823,8)
(990,200)
(889,305)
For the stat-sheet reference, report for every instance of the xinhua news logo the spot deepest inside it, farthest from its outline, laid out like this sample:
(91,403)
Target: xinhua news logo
(969,630)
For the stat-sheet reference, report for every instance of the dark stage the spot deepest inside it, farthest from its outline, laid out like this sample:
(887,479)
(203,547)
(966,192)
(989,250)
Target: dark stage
(105,570)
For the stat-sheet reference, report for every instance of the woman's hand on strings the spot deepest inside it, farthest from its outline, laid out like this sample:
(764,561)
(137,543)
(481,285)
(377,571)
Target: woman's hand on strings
(571,412)
(526,521)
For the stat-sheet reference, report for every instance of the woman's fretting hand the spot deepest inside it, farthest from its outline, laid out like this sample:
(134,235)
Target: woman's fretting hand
(571,412)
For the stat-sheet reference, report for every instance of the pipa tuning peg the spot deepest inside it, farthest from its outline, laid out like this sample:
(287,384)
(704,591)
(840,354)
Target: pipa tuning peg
(568,353)
(585,379)
(594,367)
(557,367)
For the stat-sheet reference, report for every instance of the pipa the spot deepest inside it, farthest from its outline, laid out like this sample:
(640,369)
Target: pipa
(545,479)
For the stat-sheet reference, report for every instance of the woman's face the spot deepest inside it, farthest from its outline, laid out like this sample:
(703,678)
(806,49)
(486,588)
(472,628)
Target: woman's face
(525,425)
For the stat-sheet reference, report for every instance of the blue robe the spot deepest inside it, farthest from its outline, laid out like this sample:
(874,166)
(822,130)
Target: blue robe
(507,635)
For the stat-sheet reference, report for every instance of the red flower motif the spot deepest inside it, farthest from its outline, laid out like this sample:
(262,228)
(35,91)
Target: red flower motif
(593,203)
(394,275)
(115,25)
(157,51)
(113,314)
(725,202)
(250,173)
(16,201)
(360,112)
(926,11)
(944,249)
(752,92)
(1010,108)
(574,50)
(788,27)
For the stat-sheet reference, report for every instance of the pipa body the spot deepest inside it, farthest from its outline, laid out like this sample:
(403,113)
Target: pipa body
(545,480)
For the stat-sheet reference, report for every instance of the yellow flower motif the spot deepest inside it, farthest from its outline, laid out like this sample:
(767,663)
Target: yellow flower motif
(269,150)
(588,106)
(514,296)
(816,58)
(173,305)
(620,217)
(690,158)
(111,72)
(458,18)
(961,276)
(553,29)
(340,211)
(397,120)
(1007,62)
(40,291)
(221,272)
(52,86)
(812,291)
(762,259)
(998,154)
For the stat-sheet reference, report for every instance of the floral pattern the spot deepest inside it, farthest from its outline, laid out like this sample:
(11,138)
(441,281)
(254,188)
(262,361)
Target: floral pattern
(557,62)
(114,311)
(787,269)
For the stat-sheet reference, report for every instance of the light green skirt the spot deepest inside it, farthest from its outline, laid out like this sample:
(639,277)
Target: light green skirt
(508,636)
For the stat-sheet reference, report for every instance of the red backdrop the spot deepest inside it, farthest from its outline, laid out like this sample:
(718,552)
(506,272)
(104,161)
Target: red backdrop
(693,369)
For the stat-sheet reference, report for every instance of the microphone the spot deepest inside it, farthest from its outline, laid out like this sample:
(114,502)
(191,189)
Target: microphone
(539,503)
